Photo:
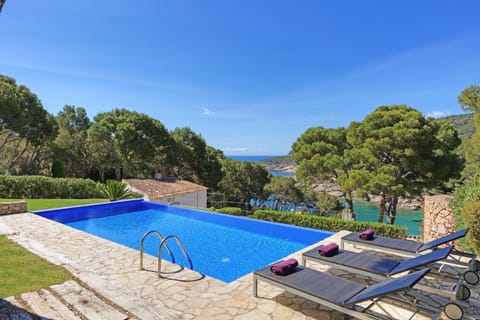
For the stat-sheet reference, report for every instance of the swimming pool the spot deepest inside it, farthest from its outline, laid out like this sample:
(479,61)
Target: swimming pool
(221,246)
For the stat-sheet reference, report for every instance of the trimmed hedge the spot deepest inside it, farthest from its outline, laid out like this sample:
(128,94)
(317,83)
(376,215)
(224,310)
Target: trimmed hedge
(331,224)
(234,211)
(34,187)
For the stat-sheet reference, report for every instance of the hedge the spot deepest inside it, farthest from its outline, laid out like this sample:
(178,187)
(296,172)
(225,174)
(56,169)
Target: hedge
(330,224)
(231,210)
(34,187)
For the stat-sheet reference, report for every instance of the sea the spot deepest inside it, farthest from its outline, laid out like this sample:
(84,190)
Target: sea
(365,211)
(260,158)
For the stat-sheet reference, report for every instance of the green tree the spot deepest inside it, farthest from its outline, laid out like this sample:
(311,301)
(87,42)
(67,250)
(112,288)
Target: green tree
(71,141)
(26,129)
(325,202)
(404,153)
(212,174)
(242,180)
(469,100)
(194,160)
(285,189)
(129,142)
(325,155)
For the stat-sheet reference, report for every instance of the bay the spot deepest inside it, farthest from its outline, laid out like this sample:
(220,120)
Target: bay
(250,158)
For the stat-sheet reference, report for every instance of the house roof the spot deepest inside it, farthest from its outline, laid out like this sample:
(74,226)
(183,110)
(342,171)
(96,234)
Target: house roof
(155,189)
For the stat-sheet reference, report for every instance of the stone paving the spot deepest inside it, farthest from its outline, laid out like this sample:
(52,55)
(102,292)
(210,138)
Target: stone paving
(109,284)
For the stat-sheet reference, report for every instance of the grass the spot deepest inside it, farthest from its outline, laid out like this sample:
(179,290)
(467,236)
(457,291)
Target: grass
(42,204)
(22,271)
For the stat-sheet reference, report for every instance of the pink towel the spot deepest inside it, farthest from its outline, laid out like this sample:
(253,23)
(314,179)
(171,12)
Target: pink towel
(367,234)
(328,250)
(284,267)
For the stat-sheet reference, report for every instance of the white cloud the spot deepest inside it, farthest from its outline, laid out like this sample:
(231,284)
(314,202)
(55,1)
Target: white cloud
(207,112)
(438,114)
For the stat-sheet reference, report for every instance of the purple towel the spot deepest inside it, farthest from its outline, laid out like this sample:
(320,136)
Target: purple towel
(328,250)
(366,235)
(284,267)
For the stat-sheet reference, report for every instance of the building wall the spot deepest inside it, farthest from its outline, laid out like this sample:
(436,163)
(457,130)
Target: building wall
(438,217)
(193,199)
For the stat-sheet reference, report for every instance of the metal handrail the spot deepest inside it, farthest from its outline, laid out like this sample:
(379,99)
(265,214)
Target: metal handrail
(142,244)
(181,247)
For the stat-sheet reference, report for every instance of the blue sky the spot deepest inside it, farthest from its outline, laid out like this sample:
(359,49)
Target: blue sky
(249,76)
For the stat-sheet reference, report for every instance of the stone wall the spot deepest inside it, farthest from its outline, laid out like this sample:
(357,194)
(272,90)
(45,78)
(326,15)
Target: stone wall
(13,207)
(438,217)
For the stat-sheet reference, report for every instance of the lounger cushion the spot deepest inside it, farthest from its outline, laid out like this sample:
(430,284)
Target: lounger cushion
(391,243)
(331,288)
(355,260)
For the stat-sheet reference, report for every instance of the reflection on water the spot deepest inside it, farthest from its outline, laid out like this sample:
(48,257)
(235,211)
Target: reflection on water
(412,219)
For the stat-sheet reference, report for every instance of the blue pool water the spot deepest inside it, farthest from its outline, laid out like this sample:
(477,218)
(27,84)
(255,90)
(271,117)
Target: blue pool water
(221,246)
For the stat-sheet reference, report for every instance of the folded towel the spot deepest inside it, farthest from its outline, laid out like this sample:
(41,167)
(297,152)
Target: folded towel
(284,267)
(328,250)
(366,235)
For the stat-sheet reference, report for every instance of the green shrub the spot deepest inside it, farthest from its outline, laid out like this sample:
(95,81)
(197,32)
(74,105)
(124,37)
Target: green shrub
(231,210)
(331,224)
(471,218)
(34,187)
(463,195)
(58,169)
(116,190)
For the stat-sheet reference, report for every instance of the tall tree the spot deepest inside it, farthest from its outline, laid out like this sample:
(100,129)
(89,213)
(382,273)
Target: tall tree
(26,128)
(71,141)
(403,152)
(127,141)
(325,154)
(212,174)
(285,189)
(242,180)
(469,100)
(194,160)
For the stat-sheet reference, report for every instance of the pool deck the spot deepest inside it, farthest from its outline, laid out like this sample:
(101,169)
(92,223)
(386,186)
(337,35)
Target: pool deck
(109,284)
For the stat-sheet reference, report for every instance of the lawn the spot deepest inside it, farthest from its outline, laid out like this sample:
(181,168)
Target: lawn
(22,271)
(41,204)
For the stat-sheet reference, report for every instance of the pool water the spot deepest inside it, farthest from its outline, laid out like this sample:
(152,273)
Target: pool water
(221,246)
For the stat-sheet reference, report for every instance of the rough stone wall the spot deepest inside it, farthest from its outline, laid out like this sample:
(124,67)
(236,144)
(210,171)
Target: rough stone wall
(438,217)
(13,207)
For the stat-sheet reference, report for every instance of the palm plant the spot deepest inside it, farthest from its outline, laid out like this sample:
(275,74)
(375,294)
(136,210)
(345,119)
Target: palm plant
(116,190)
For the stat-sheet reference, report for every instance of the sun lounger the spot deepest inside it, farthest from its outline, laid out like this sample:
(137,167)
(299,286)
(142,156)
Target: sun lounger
(345,295)
(412,248)
(381,268)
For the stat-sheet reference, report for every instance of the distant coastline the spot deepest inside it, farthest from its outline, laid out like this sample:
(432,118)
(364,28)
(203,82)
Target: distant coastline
(275,167)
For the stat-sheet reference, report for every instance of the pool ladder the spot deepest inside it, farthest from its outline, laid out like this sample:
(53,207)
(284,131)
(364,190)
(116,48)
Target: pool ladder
(163,242)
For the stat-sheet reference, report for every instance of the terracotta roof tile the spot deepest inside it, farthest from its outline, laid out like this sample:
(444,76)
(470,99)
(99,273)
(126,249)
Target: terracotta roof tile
(155,189)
